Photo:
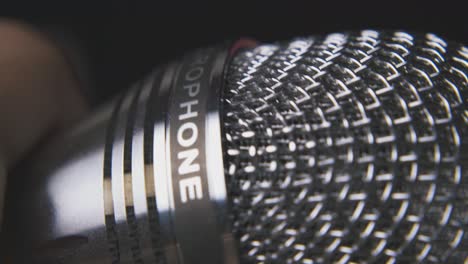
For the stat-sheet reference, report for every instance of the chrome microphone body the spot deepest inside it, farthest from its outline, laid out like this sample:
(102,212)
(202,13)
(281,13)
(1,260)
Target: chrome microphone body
(344,148)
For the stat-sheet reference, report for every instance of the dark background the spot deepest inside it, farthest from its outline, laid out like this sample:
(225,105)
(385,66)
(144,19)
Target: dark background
(122,41)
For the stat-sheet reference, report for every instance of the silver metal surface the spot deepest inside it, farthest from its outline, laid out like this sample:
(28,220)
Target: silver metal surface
(349,148)
(105,193)
(60,211)
(346,148)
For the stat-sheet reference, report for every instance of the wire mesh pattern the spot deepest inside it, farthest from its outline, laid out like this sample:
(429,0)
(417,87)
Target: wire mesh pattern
(349,148)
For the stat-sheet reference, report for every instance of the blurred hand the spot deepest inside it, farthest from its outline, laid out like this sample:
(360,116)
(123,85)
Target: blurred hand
(39,95)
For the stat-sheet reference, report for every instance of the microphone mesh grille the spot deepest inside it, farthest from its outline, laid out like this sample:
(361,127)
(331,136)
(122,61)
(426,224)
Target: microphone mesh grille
(349,148)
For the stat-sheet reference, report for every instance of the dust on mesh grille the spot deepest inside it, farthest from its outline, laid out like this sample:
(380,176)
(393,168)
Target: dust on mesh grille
(349,148)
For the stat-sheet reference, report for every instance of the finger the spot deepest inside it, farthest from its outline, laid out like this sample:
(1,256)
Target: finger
(38,93)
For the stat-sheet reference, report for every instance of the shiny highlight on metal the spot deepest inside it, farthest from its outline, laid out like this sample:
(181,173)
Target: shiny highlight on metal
(349,148)
(107,188)
(345,148)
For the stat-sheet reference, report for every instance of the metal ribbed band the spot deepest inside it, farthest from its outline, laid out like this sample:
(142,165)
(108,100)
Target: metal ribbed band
(133,233)
(165,135)
(112,238)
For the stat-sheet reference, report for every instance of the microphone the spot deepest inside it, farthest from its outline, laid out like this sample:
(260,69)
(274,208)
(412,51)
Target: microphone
(344,148)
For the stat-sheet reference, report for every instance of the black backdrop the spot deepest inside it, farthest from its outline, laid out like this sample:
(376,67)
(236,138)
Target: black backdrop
(123,40)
